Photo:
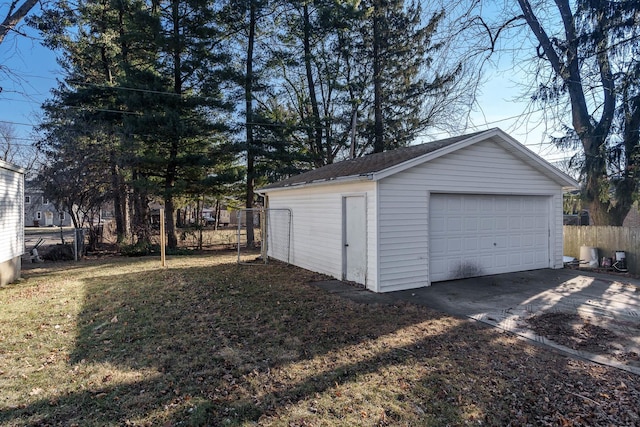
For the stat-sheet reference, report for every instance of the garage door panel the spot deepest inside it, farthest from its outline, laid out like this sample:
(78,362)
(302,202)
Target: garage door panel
(471,204)
(515,259)
(438,267)
(471,225)
(540,258)
(454,204)
(454,245)
(515,223)
(474,235)
(489,261)
(501,242)
(529,223)
(471,244)
(539,223)
(438,223)
(541,240)
(501,205)
(438,245)
(500,261)
(514,205)
(487,223)
(486,205)
(454,224)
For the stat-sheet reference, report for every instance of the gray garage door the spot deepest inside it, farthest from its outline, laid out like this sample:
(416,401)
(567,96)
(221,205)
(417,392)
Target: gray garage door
(477,235)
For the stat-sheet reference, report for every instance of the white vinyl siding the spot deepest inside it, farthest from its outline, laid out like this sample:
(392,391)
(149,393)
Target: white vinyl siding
(403,233)
(316,226)
(11,220)
(482,168)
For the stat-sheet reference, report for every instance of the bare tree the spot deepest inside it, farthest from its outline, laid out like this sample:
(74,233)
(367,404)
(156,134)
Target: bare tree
(13,150)
(587,52)
(8,148)
(15,13)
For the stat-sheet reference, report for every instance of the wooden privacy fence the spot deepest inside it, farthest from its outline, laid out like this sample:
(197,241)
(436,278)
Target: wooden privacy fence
(607,239)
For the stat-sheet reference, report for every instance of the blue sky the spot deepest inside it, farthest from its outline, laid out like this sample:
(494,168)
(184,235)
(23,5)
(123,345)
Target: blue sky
(29,72)
(33,72)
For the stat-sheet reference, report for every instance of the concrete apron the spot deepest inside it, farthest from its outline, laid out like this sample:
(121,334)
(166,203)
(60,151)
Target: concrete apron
(505,301)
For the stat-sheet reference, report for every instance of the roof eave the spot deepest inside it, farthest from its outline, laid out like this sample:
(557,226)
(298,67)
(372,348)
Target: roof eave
(317,183)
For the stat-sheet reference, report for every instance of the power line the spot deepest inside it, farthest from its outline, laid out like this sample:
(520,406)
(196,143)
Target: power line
(17,123)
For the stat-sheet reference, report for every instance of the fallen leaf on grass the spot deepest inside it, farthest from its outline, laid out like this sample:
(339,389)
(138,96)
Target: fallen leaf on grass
(36,391)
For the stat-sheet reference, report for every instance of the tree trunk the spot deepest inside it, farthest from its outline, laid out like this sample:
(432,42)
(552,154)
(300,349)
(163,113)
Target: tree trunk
(171,169)
(118,201)
(170,221)
(141,216)
(604,208)
(316,132)
(378,142)
(248,97)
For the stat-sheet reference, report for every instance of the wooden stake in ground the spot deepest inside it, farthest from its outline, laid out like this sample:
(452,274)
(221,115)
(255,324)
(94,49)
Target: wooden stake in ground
(163,260)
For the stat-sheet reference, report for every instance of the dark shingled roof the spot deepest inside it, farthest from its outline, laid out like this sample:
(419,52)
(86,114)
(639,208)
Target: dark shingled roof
(368,164)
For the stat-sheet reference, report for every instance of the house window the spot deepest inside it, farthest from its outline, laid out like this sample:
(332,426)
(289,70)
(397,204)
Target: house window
(27,199)
(61,216)
(45,201)
(38,215)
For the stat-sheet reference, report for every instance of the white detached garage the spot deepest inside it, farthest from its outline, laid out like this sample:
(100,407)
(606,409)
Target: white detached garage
(466,206)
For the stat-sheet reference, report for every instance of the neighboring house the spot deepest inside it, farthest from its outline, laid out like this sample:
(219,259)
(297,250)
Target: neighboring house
(466,206)
(40,212)
(11,222)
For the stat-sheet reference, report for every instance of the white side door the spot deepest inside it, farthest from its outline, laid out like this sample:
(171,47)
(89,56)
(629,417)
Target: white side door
(355,239)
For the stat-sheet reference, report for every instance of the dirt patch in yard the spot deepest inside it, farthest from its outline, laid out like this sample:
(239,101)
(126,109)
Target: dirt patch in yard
(610,337)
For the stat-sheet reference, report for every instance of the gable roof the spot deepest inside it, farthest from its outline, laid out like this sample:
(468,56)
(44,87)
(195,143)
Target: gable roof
(379,165)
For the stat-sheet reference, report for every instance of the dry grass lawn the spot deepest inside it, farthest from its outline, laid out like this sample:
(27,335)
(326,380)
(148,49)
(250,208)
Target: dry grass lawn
(207,342)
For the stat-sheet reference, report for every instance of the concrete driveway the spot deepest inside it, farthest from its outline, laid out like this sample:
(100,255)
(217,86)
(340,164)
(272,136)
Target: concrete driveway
(505,301)
(608,304)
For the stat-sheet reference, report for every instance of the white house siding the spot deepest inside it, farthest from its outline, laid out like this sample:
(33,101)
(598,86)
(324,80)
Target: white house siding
(482,168)
(316,232)
(11,222)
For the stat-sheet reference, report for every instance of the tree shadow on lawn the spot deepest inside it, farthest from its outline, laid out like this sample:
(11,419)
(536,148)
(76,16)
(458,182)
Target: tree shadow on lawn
(229,345)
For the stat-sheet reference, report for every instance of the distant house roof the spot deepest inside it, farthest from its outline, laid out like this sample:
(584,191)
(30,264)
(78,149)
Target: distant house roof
(388,162)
